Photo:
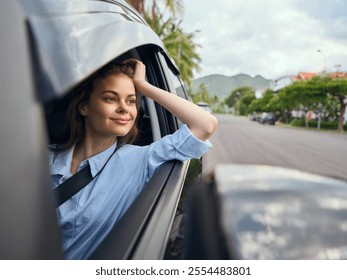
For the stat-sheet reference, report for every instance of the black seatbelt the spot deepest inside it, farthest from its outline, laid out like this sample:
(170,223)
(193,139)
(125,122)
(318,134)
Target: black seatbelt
(76,182)
(73,185)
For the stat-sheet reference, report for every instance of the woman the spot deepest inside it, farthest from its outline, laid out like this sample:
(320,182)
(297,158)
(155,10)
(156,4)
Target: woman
(102,119)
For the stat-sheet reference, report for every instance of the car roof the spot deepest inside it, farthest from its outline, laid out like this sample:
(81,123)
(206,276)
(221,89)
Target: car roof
(63,38)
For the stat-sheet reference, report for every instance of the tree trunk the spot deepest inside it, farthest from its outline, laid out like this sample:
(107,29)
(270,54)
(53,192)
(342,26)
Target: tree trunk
(138,5)
(342,112)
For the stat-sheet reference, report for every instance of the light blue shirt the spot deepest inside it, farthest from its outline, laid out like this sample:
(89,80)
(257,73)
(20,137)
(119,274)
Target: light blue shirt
(87,218)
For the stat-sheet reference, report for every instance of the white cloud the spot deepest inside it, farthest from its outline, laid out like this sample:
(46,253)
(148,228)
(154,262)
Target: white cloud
(268,37)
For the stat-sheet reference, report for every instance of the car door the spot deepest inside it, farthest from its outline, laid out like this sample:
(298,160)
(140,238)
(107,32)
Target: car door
(27,213)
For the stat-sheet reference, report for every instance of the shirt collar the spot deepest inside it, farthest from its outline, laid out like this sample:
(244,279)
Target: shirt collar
(62,163)
(98,161)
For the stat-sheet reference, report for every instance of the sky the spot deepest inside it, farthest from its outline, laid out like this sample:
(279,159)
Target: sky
(271,38)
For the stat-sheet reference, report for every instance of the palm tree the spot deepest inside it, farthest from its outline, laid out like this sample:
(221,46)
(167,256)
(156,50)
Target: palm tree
(174,6)
(179,45)
(138,5)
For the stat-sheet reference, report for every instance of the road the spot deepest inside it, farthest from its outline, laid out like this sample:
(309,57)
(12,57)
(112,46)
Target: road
(241,141)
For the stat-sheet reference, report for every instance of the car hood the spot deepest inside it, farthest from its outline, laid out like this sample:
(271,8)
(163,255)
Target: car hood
(275,213)
(72,39)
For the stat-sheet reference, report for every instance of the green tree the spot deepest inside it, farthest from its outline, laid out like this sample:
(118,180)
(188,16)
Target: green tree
(337,89)
(331,107)
(243,104)
(319,90)
(181,47)
(236,94)
(305,93)
(201,95)
(175,7)
(264,104)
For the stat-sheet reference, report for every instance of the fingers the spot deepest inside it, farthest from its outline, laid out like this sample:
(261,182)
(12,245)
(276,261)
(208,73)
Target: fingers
(140,71)
(135,63)
(139,67)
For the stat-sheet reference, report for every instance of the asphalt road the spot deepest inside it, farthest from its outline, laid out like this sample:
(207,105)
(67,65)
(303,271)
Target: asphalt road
(239,140)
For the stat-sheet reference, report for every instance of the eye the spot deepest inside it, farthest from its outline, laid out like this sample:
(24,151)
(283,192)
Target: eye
(110,99)
(131,101)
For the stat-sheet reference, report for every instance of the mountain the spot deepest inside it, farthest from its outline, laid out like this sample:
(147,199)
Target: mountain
(221,86)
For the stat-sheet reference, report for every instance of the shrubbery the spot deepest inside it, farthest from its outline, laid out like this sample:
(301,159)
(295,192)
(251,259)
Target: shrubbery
(314,124)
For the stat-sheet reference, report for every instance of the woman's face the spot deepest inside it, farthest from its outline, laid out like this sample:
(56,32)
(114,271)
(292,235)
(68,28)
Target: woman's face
(111,110)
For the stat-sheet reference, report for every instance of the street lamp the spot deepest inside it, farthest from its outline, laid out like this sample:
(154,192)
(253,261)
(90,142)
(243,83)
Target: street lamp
(325,61)
(338,67)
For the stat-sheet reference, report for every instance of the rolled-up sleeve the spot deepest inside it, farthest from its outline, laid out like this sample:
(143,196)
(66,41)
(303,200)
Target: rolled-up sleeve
(181,145)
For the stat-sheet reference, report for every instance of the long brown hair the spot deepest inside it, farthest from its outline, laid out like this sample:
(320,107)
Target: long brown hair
(81,95)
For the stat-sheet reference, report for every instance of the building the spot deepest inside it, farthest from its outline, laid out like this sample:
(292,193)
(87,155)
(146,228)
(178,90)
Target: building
(305,76)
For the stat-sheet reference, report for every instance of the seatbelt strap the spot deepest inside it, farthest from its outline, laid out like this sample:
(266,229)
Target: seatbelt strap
(73,185)
(76,182)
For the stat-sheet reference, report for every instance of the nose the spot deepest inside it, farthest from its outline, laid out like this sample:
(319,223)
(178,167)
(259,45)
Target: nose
(121,108)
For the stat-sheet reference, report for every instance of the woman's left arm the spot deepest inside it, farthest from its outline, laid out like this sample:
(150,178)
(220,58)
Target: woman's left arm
(200,122)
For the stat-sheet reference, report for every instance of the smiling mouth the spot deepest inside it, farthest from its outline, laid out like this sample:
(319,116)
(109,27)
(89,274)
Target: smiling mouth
(121,121)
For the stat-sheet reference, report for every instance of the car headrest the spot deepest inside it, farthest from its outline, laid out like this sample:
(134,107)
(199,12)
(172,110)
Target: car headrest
(56,120)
